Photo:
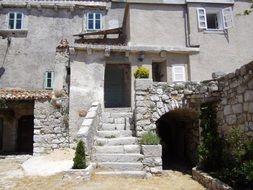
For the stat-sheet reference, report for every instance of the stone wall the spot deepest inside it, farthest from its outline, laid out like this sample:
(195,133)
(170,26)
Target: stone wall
(50,125)
(152,160)
(89,127)
(236,106)
(153,99)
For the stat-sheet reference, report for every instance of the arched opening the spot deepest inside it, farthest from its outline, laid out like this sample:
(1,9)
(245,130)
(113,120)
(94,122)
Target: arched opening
(179,133)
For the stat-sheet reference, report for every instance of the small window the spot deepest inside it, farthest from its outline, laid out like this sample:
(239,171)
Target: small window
(15,21)
(49,80)
(178,73)
(94,21)
(215,19)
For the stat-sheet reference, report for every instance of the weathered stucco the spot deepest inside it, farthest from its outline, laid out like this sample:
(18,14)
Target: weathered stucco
(46,27)
(86,86)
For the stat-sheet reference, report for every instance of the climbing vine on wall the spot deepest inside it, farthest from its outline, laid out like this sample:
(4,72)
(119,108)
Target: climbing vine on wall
(210,149)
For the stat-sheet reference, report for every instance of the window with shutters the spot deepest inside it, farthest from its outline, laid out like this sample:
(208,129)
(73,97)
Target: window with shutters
(214,18)
(178,73)
(49,80)
(94,21)
(15,21)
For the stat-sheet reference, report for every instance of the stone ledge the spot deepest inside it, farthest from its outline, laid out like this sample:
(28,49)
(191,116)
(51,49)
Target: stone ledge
(83,174)
(151,150)
(207,181)
(143,84)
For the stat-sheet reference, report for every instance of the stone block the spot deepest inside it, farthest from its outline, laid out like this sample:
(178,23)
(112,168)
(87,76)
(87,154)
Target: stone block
(87,122)
(156,170)
(231,119)
(83,174)
(143,84)
(151,150)
(91,114)
(227,110)
(237,108)
(152,161)
(83,132)
(248,96)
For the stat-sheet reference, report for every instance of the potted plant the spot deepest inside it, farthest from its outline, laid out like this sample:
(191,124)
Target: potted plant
(141,72)
(79,170)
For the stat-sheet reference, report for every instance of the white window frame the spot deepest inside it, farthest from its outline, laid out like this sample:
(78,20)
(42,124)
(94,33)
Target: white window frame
(94,21)
(225,18)
(15,20)
(46,80)
(174,78)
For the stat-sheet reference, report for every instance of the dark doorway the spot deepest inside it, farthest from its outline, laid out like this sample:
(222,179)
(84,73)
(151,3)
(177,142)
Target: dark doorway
(25,134)
(1,133)
(178,130)
(159,71)
(117,88)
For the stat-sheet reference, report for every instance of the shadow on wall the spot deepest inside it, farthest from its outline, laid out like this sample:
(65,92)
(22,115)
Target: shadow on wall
(179,133)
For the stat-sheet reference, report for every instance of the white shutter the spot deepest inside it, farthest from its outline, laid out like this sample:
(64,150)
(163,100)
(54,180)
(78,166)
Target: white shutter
(202,18)
(178,73)
(227,16)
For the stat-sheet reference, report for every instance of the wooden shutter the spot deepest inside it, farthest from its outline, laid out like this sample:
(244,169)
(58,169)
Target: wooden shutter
(227,16)
(201,12)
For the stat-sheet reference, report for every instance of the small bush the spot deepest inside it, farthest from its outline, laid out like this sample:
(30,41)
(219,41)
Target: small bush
(150,139)
(79,160)
(141,72)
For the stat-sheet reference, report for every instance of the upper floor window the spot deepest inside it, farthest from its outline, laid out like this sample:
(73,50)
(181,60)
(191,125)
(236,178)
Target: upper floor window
(178,73)
(215,19)
(94,21)
(49,80)
(15,20)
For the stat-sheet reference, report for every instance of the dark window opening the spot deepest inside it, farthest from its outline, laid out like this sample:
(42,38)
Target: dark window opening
(212,21)
(159,72)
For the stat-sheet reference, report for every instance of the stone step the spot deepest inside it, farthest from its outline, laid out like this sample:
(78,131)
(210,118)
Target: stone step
(141,174)
(121,149)
(112,127)
(116,141)
(114,134)
(121,166)
(119,157)
(117,114)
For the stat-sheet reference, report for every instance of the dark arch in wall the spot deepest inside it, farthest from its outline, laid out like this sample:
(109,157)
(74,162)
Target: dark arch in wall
(179,133)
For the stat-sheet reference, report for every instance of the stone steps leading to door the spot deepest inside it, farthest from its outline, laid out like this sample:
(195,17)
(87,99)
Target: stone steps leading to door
(117,150)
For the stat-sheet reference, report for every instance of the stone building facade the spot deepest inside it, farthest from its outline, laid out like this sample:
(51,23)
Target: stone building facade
(168,38)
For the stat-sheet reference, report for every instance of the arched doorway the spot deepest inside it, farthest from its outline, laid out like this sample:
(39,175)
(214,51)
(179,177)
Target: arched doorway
(179,133)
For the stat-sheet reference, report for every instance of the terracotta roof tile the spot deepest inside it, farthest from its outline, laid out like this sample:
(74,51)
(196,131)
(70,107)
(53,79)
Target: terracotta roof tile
(21,94)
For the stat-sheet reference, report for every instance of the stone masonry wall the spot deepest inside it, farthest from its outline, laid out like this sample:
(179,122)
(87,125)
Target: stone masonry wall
(50,125)
(152,100)
(236,107)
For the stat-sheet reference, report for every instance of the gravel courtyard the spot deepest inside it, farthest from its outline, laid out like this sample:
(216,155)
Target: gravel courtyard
(12,177)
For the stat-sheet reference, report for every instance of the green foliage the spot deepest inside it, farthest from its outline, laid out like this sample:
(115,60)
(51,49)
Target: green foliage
(211,147)
(3,104)
(79,159)
(231,160)
(150,139)
(236,142)
(141,72)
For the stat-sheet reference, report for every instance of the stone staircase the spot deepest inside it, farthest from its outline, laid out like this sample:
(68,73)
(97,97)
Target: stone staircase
(117,151)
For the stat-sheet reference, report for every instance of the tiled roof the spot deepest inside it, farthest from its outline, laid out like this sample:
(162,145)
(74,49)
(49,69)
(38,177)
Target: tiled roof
(21,94)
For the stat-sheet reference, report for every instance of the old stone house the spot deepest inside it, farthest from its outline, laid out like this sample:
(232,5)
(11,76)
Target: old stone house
(47,88)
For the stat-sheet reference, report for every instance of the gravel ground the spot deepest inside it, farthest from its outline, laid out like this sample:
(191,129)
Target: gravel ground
(12,177)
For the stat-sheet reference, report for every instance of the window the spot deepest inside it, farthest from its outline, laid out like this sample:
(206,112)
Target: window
(15,21)
(178,73)
(215,19)
(49,80)
(94,21)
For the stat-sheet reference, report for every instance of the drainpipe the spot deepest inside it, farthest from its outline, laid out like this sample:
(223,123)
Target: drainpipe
(187,28)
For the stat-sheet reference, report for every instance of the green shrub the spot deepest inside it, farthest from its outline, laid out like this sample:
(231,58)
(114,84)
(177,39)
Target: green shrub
(79,160)
(141,72)
(150,139)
